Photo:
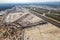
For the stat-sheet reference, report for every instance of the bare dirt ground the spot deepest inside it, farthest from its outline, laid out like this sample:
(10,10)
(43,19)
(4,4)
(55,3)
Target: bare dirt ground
(42,32)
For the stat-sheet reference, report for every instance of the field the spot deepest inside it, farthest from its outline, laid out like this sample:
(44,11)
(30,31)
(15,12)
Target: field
(52,14)
(55,16)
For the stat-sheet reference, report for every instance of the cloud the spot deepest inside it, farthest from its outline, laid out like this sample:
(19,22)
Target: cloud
(23,1)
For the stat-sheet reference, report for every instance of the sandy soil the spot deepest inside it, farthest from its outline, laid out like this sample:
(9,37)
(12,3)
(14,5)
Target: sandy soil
(42,32)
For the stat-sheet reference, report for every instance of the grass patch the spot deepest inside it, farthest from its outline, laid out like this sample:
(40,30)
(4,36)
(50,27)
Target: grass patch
(53,16)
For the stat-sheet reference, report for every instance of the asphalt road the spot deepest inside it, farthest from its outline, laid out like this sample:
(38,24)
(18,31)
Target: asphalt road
(46,19)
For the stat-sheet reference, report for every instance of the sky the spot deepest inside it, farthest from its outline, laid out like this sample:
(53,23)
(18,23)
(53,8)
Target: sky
(26,1)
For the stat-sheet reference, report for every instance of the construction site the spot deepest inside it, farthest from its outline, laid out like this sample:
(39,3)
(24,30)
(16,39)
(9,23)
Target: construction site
(19,23)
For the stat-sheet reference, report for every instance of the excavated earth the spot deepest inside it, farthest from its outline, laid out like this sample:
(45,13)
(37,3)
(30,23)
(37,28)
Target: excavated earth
(26,26)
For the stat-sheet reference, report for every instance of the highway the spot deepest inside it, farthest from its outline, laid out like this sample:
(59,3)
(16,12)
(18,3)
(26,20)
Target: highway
(43,17)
